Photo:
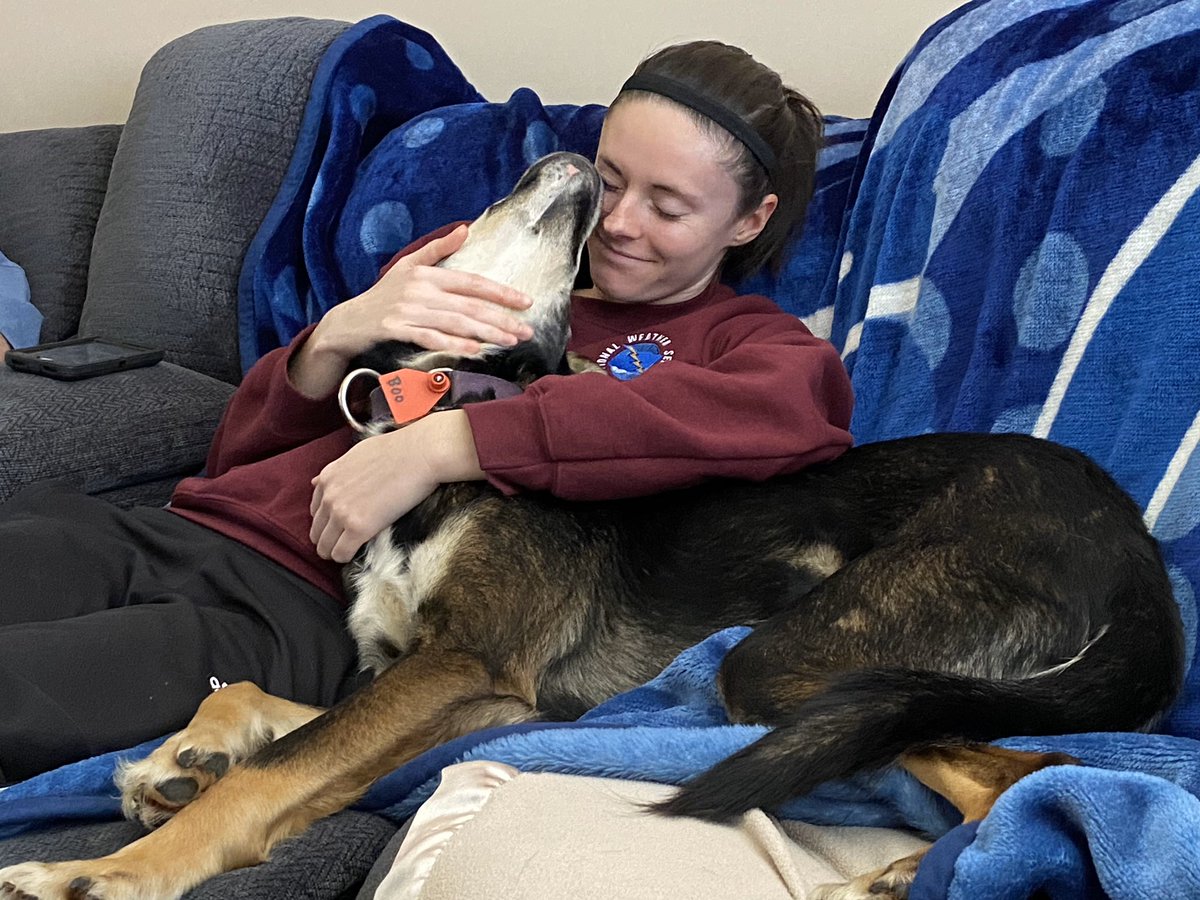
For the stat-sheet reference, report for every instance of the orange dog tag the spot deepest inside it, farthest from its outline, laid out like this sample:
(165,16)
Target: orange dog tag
(411,393)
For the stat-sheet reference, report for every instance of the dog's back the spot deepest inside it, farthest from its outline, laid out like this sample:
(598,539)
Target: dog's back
(991,586)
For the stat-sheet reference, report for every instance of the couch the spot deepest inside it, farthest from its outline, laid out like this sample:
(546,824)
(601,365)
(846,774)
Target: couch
(1010,243)
(136,232)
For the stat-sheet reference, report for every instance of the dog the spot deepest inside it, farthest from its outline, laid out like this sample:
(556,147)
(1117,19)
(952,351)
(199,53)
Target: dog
(912,600)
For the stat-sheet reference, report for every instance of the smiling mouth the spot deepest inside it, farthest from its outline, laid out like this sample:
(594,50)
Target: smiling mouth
(613,251)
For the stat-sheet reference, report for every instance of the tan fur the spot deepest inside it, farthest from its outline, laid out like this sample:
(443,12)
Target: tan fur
(230,724)
(972,777)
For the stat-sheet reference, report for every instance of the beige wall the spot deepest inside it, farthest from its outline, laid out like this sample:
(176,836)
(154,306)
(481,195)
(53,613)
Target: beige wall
(76,62)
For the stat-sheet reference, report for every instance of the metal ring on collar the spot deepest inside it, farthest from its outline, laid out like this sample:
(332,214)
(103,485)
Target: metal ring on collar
(344,388)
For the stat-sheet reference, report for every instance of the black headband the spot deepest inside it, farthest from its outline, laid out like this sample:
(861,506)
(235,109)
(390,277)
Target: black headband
(727,119)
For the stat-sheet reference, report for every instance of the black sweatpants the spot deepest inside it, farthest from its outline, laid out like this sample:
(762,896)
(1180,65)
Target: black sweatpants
(115,624)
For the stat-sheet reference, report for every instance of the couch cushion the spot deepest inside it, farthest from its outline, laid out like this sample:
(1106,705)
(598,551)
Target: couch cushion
(109,433)
(52,183)
(204,151)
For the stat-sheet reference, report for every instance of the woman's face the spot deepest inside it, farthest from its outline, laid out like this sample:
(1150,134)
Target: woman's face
(670,207)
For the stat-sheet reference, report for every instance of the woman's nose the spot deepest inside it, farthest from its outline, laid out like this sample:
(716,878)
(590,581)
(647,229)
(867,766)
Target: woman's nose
(620,218)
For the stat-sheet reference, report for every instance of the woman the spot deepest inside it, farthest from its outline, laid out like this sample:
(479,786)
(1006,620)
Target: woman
(116,623)
(685,202)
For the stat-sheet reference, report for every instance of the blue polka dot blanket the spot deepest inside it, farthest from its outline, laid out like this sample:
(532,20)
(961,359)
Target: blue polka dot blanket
(1010,243)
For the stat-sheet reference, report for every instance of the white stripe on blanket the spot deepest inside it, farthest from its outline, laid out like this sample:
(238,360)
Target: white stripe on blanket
(819,322)
(1174,470)
(886,301)
(946,50)
(1009,106)
(1137,247)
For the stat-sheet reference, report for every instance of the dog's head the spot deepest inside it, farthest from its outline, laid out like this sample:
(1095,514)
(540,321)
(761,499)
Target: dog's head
(531,240)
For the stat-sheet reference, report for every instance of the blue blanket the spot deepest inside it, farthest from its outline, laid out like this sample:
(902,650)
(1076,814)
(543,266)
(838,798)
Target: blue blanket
(395,143)
(1022,253)
(1011,243)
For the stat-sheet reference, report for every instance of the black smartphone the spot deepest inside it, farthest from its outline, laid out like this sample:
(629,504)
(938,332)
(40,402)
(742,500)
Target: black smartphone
(80,358)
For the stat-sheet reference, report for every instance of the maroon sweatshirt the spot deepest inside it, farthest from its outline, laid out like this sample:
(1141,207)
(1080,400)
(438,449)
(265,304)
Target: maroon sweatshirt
(271,443)
(720,385)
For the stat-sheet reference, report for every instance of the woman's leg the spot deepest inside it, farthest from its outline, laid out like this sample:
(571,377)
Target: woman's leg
(120,638)
(62,554)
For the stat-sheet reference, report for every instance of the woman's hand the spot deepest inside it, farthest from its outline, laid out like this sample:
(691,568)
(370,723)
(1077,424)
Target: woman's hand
(380,479)
(416,302)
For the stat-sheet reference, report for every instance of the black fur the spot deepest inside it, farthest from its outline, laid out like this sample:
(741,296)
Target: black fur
(984,560)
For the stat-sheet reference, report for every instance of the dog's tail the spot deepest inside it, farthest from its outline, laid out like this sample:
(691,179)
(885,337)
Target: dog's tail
(865,719)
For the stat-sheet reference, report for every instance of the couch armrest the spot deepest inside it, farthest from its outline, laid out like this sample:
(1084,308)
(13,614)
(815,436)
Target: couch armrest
(52,184)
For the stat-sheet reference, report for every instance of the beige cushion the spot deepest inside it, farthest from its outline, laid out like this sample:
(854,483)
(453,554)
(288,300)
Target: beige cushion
(492,833)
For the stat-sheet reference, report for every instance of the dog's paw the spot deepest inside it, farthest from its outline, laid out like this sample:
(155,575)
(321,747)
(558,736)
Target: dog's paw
(225,730)
(62,881)
(29,881)
(157,787)
(892,883)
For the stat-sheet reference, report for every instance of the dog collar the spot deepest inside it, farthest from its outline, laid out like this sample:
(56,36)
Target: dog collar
(406,395)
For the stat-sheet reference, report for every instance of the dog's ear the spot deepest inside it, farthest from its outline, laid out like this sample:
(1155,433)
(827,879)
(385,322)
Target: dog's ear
(386,356)
(477,396)
(575,364)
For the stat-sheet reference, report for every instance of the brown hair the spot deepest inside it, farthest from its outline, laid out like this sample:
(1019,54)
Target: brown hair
(788,122)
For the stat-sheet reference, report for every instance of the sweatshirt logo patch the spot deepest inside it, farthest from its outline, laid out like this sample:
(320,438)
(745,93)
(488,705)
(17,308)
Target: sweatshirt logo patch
(636,356)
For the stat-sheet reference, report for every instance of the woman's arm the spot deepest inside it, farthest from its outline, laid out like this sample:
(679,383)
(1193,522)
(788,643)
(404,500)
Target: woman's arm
(379,480)
(770,398)
(284,400)
(267,415)
(439,309)
(415,302)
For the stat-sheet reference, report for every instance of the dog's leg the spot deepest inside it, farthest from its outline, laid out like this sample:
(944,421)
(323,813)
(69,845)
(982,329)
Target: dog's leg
(421,701)
(972,777)
(229,725)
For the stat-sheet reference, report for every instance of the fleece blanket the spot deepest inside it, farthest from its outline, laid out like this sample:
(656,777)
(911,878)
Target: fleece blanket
(1011,243)
(1022,253)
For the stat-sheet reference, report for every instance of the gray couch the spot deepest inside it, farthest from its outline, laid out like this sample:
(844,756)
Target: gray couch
(137,233)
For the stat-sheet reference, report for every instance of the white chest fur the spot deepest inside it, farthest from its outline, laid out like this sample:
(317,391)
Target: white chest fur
(389,586)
